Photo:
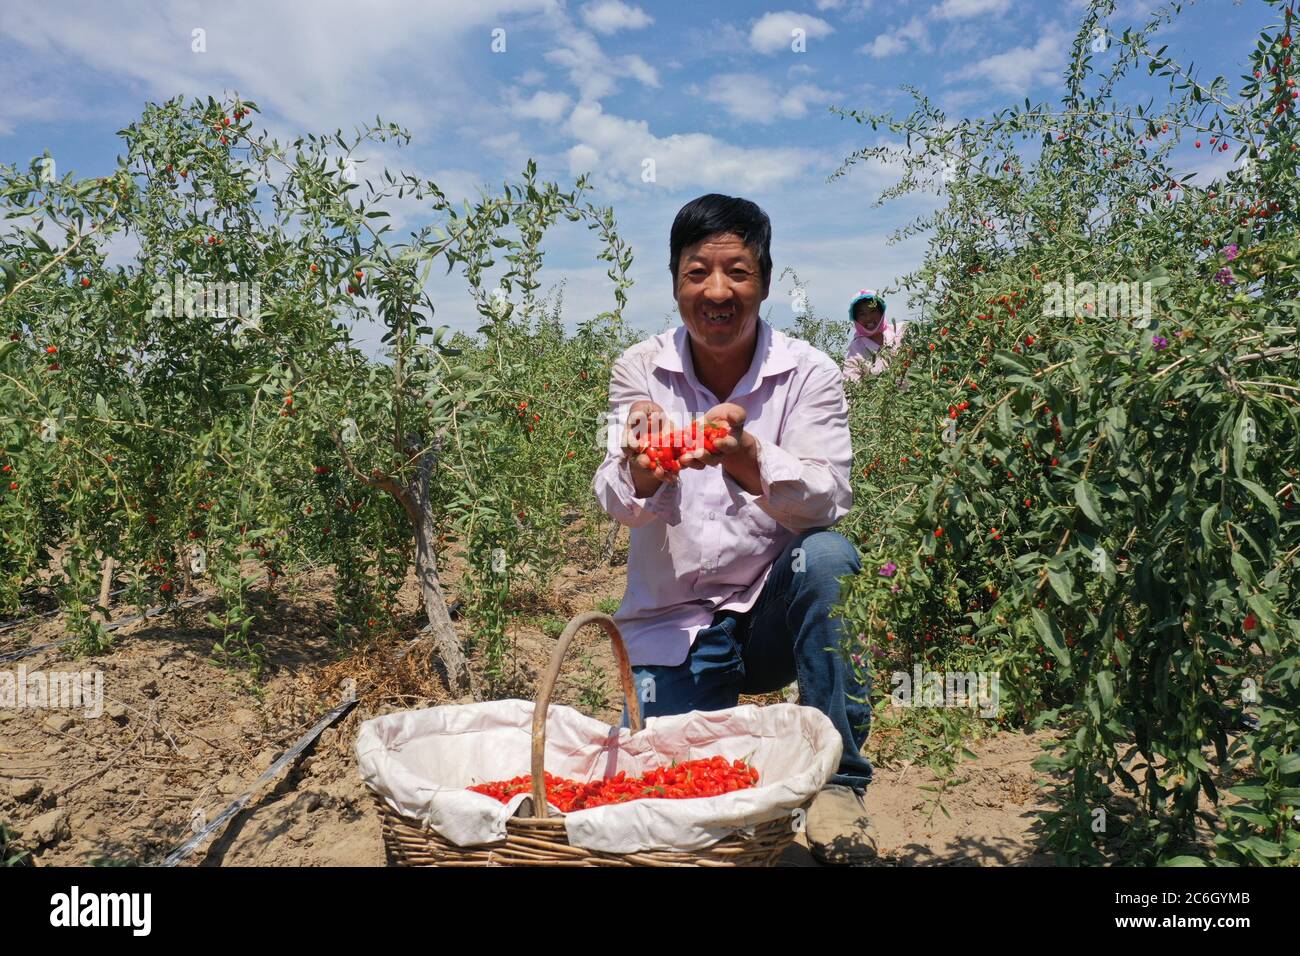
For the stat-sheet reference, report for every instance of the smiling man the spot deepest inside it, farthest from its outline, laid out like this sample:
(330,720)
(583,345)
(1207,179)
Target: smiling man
(732,570)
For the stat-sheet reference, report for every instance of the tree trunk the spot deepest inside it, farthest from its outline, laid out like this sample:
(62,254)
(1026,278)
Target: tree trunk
(105,588)
(611,542)
(440,628)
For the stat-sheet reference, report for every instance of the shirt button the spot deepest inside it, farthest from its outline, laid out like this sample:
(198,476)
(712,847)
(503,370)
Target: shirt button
(711,516)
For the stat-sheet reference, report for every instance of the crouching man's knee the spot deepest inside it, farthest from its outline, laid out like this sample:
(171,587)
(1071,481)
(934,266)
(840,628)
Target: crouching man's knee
(822,557)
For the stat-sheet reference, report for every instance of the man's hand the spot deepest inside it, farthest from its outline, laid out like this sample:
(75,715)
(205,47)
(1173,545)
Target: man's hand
(645,420)
(737,452)
(733,416)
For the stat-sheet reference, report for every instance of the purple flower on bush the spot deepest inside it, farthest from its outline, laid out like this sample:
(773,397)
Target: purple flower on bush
(1159,343)
(1230,251)
(887,571)
(1225,277)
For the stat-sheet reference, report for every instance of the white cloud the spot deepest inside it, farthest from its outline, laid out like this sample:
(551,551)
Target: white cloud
(913,33)
(1019,69)
(965,9)
(885,45)
(610,16)
(753,98)
(305,68)
(856,8)
(615,149)
(591,71)
(834,268)
(543,105)
(774,31)
(583,158)
(640,70)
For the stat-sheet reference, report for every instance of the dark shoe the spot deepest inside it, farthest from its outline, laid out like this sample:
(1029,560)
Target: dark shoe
(838,830)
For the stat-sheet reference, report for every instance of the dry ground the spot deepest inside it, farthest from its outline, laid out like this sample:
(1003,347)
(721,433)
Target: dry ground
(182,736)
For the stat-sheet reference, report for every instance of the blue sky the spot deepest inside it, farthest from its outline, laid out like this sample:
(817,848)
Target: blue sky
(711,92)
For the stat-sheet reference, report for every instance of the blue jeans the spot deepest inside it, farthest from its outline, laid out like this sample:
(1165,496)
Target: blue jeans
(788,635)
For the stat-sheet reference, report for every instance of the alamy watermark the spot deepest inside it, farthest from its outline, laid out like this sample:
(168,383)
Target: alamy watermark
(1122,300)
(52,690)
(977,690)
(219,300)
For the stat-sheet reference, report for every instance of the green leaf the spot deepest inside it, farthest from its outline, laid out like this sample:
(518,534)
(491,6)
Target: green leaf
(1106,687)
(1262,494)
(1051,635)
(1086,497)
(1245,573)
(1062,582)
(1263,847)
(1012,361)
(1207,526)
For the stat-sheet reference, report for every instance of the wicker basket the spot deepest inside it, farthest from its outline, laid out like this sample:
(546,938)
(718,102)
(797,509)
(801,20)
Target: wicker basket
(541,839)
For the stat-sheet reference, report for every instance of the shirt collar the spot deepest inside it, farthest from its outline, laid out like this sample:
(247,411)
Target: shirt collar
(772,356)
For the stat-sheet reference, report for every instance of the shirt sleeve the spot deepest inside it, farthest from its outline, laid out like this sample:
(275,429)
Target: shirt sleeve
(805,480)
(613,484)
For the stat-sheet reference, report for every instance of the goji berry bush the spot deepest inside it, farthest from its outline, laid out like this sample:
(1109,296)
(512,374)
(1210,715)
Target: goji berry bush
(207,405)
(1098,503)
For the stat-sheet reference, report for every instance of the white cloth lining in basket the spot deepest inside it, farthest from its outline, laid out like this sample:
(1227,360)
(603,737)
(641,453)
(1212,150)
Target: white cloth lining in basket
(421,761)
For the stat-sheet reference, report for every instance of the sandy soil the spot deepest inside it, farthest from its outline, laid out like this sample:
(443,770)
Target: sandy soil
(181,737)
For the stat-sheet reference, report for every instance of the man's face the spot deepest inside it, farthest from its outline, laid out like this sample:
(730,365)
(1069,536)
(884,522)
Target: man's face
(719,289)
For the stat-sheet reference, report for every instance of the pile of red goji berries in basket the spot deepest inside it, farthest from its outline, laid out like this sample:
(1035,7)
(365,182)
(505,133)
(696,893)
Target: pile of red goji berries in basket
(664,450)
(707,777)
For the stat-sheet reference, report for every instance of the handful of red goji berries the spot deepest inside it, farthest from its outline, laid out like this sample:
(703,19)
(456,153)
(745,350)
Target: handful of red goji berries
(706,777)
(666,449)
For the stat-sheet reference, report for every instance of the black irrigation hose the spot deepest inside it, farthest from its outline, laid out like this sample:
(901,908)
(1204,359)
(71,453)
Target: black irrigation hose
(19,621)
(111,626)
(183,851)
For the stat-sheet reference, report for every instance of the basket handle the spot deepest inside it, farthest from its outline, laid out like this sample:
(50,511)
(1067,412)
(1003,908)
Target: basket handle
(548,686)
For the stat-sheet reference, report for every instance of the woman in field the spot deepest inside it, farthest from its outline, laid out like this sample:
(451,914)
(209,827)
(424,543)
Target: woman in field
(873,337)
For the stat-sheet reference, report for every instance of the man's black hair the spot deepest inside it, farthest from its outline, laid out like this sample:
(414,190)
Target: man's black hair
(715,214)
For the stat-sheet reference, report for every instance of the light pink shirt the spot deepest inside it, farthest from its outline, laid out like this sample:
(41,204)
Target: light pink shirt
(705,544)
(862,349)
